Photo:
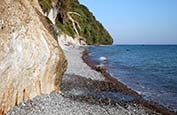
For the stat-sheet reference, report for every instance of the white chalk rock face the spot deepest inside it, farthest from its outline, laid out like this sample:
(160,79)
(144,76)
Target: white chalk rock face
(52,15)
(66,41)
(31,62)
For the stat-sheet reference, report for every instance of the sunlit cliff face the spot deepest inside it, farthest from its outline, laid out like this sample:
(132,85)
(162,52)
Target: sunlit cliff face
(31,62)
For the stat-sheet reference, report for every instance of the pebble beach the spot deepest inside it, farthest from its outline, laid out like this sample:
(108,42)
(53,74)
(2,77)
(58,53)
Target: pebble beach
(84,92)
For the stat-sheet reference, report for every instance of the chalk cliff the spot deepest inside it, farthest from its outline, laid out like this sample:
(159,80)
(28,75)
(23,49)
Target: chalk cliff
(31,62)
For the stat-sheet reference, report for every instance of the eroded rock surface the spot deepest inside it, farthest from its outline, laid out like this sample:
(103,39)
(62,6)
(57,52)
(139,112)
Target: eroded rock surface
(31,62)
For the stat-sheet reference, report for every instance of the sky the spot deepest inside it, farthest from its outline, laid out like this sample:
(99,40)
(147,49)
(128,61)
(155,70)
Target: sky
(137,21)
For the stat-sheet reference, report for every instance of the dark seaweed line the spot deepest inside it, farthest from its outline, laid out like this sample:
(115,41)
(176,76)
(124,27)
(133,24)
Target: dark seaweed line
(124,89)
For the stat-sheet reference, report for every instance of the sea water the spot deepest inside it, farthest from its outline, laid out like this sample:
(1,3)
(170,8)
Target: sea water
(151,70)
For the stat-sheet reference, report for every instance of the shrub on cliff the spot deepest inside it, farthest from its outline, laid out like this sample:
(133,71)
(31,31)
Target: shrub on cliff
(89,28)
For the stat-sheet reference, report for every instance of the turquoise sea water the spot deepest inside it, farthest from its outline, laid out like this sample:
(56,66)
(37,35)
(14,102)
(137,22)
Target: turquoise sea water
(150,70)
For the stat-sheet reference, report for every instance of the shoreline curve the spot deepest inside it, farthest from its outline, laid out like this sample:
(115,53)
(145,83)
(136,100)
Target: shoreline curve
(124,88)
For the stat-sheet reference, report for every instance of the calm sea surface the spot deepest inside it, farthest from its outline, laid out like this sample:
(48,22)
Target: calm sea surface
(150,70)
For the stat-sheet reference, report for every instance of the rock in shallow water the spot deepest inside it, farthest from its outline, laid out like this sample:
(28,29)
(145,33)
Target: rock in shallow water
(31,62)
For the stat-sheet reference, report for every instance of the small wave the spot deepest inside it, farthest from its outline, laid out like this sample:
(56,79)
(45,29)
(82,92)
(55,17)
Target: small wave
(140,93)
(100,65)
(103,58)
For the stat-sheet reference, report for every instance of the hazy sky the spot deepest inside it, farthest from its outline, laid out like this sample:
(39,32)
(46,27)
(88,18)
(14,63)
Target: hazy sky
(137,21)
